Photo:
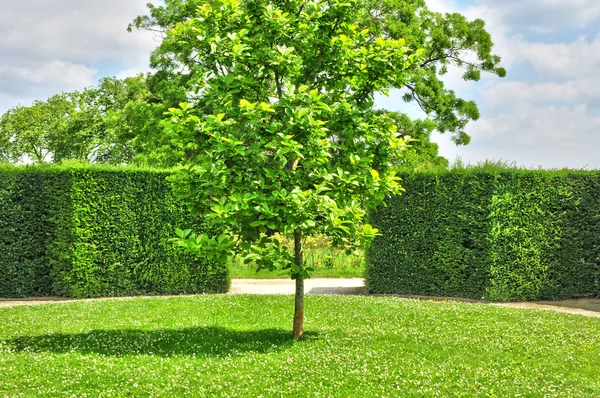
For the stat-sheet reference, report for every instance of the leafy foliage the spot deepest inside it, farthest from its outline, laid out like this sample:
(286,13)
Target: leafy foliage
(134,109)
(449,41)
(422,154)
(88,232)
(36,130)
(117,122)
(293,146)
(501,235)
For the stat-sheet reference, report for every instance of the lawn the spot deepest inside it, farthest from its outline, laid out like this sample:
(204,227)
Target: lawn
(241,346)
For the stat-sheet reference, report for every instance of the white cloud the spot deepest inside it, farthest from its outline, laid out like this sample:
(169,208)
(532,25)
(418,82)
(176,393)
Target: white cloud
(545,13)
(507,94)
(62,45)
(40,30)
(56,73)
(509,22)
(551,118)
(577,59)
(533,136)
(536,15)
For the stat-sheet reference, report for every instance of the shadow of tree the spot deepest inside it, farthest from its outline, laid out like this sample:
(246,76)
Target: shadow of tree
(340,290)
(210,341)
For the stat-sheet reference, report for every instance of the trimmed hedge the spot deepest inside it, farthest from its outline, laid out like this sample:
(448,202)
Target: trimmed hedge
(497,235)
(81,231)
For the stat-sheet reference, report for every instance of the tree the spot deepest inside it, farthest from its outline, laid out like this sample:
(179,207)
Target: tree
(422,153)
(133,111)
(283,133)
(81,130)
(5,157)
(449,40)
(65,126)
(128,106)
(34,131)
(7,154)
(117,122)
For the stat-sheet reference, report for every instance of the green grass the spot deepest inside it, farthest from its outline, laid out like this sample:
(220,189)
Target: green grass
(240,346)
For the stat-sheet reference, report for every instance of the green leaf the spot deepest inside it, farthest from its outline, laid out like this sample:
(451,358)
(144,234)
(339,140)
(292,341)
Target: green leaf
(246,104)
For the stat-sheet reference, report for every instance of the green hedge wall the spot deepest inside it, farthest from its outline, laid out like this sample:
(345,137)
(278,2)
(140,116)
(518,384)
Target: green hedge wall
(92,232)
(25,230)
(497,235)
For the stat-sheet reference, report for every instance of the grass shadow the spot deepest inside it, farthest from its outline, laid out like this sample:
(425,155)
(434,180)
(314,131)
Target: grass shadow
(210,341)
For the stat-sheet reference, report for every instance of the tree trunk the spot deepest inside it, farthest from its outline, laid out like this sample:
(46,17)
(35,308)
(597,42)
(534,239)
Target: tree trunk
(299,299)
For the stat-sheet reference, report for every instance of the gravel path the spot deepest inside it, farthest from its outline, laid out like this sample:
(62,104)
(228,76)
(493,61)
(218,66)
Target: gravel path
(287,286)
(537,306)
(348,286)
(341,286)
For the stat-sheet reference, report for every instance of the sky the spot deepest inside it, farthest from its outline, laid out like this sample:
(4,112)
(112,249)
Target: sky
(544,114)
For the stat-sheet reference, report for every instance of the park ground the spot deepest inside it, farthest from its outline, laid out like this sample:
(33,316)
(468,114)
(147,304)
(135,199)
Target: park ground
(240,345)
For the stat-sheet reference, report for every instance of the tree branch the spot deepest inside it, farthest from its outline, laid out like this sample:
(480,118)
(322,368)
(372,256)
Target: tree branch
(416,97)
(450,54)
(278,83)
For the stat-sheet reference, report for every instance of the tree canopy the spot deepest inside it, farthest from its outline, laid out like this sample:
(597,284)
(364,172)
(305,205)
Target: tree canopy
(448,40)
(36,131)
(133,110)
(120,120)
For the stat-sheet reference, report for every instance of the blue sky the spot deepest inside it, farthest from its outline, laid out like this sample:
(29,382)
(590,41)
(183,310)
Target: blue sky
(545,113)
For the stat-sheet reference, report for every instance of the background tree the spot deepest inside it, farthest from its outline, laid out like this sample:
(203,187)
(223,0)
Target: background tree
(449,40)
(7,153)
(291,142)
(134,110)
(422,153)
(81,129)
(117,122)
(34,131)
